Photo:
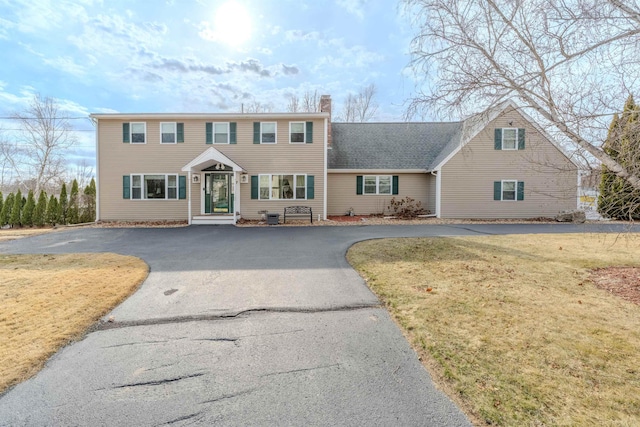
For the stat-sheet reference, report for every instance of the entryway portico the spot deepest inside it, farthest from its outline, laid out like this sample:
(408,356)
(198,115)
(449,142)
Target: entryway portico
(217,177)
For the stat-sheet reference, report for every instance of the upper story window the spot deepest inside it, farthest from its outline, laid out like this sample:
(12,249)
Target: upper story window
(296,132)
(171,132)
(135,132)
(221,133)
(264,132)
(509,139)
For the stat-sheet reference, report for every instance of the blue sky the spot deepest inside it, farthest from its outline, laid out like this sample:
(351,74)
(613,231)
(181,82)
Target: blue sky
(199,56)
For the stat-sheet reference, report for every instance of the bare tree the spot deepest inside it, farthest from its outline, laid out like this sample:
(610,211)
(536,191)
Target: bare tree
(311,102)
(293,105)
(44,137)
(82,173)
(360,107)
(256,106)
(568,63)
(9,161)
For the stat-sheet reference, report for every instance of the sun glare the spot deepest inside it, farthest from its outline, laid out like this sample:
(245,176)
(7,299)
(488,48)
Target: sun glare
(232,23)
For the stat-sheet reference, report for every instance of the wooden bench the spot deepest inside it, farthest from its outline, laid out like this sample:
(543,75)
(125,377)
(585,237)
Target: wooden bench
(297,211)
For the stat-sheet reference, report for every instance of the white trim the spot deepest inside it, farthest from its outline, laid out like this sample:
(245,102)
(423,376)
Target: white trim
(175,133)
(438,175)
(377,171)
(203,180)
(515,190)
(209,116)
(97,169)
(304,133)
(209,157)
(275,133)
(213,133)
(377,193)
(166,186)
(131,132)
(515,145)
(326,141)
(188,197)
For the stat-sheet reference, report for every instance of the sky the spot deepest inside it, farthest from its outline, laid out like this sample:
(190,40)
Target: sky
(163,56)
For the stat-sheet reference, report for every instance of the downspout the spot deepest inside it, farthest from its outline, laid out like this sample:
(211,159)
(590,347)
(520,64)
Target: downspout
(438,176)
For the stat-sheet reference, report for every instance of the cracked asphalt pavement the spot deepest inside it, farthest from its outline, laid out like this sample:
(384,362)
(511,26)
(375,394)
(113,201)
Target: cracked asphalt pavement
(241,326)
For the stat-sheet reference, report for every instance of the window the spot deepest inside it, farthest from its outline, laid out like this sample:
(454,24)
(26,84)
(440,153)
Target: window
(268,133)
(168,133)
(509,139)
(508,190)
(282,187)
(221,133)
(154,186)
(138,133)
(377,184)
(296,132)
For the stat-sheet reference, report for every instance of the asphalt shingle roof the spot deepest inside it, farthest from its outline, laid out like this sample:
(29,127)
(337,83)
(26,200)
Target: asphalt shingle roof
(392,145)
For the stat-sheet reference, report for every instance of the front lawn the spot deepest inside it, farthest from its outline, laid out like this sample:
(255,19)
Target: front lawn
(49,300)
(514,328)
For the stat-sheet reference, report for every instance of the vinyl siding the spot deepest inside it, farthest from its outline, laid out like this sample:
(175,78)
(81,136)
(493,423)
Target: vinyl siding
(342,193)
(117,159)
(467,178)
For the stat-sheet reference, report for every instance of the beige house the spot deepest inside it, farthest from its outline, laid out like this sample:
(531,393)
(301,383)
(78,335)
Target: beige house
(217,168)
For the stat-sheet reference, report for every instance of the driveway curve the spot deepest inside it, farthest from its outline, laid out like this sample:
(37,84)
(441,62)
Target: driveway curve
(241,326)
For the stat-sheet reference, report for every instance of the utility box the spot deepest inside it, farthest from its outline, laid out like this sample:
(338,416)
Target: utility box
(273,218)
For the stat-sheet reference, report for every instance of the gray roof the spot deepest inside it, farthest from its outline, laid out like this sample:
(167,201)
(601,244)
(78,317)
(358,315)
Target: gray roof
(392,145)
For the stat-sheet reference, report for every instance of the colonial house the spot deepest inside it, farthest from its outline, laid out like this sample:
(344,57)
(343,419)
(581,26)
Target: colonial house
(217,168)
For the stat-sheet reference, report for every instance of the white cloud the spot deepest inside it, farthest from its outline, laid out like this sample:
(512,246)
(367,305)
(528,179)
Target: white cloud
(354,7)
(66,64)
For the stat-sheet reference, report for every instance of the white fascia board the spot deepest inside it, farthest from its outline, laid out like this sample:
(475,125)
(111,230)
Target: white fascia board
(211,155)
(377,171)
(209,116)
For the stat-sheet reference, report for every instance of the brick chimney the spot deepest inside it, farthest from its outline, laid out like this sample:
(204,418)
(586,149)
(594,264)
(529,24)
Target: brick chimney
(325,107)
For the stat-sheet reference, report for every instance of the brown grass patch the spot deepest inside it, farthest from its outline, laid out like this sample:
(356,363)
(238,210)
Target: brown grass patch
(18,233)
(49,300)
(512,326)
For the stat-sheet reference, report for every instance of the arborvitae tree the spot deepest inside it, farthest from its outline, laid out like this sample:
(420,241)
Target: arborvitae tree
(52,211)
(28,210)
(40,213)
(5,214)
(63,205)
(1,205)
(73,212)
(16,211)
(617,198)
(89,205)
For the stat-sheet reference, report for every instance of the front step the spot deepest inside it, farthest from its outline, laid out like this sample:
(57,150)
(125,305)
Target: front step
(213,220)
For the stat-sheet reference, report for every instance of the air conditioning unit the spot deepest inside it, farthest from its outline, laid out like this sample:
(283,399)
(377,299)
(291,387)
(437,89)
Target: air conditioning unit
(244,178)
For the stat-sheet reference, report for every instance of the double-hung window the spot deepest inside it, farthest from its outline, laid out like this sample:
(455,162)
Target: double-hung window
(377,184)
(138,133)
(296,132)
(221,133)
(168,133)
(268,132)
(508,190)
(509,139)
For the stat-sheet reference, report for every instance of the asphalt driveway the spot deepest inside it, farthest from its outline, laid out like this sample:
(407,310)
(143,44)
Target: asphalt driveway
(241,326)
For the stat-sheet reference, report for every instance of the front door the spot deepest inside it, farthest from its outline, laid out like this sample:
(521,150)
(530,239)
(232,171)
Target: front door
(217,193)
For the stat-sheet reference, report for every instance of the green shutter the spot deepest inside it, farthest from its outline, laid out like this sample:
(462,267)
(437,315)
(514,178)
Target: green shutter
(126,187)
(180,132)
(520,139)
(309,137)
(310,187)
(232,133)
(394,186)
(254,186)
(497,190)
(256,132)
(182,187)
(359,184)
(125,133)
(497,139)
(209,131)
(520,195)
